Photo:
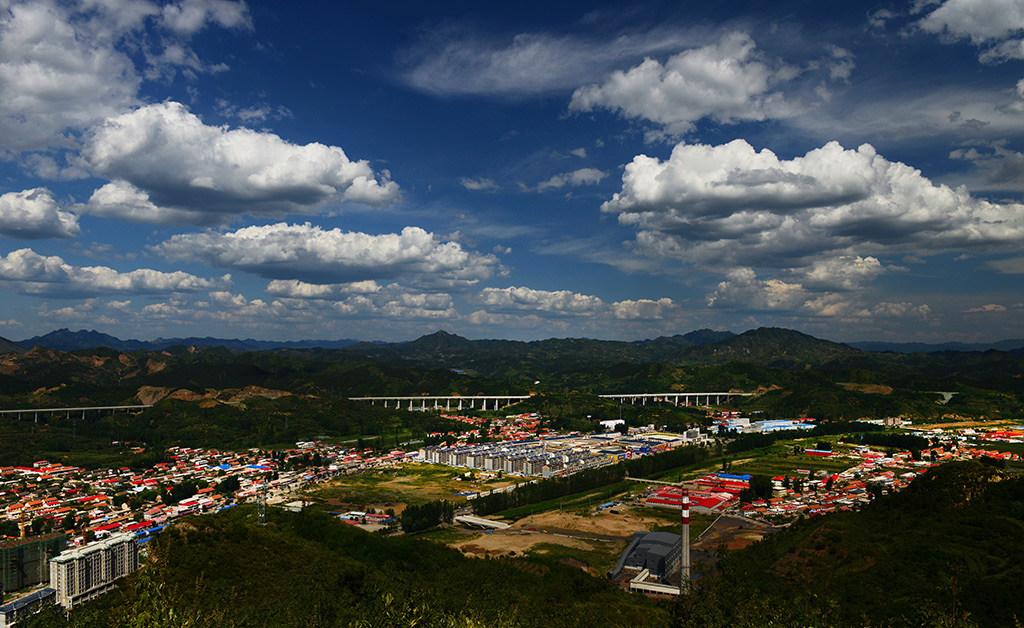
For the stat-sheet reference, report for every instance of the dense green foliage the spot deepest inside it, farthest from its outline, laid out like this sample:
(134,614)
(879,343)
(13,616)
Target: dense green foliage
(306,569)
(418,518)
(894,441)
(944,552)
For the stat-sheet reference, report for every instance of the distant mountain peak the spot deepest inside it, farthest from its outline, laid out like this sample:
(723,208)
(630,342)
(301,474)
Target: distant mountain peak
(704,336)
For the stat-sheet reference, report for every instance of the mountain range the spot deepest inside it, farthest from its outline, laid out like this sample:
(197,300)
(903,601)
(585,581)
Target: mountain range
(664,347)
(67,340)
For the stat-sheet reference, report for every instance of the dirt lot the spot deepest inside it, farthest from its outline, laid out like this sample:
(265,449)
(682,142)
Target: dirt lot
(603,523)
(569,530)
(734,532)
(505,542)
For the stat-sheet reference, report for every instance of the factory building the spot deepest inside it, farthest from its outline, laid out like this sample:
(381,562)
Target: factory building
(656,552)
(24,562)
(91,570)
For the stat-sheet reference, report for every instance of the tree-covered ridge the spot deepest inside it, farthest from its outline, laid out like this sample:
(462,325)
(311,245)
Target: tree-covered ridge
(946,551)
(307,569)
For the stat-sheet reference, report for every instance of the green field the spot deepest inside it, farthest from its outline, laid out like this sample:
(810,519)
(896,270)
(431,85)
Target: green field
(787,464)
(409,484)
(1015,448)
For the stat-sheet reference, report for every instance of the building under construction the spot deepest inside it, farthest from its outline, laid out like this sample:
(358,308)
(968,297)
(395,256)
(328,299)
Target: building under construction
(26,562)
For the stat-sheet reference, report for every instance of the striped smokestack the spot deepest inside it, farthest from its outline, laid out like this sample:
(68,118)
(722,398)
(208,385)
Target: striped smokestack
(684,559)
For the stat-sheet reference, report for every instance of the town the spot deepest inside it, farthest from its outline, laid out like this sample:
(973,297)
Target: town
(72,532)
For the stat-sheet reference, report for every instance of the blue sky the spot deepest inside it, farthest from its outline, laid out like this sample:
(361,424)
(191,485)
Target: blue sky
(209,167)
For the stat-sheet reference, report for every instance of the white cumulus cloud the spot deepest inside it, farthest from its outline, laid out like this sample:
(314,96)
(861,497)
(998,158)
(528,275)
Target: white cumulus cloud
(742,289)
(27,272)
(731,206)
(988,307)
(453,60)
(191,16)
(302,290)
(54,76)
(576,178)
(479,185)
(727,81)
(644,309)
(33,214)
(996,24)
(167,166)
(314,255)
(65,66)
(523,298)
(846,272)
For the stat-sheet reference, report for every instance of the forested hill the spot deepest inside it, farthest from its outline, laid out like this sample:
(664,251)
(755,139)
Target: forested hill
(767,346)
(311,570)
(796,374)
(67,340)
(944,552)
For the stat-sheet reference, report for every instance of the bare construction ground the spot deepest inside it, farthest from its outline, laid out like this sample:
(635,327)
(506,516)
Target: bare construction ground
(733,532)
(602,523)
(596,539)
(518,542)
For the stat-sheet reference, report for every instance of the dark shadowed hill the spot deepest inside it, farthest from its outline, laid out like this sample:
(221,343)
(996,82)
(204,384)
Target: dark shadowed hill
(769,346)
(496,357)
(8,346)
(921,347)
(704,336)
(67,340)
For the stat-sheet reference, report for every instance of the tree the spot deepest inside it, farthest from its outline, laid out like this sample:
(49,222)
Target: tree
(9,528)
(229,485)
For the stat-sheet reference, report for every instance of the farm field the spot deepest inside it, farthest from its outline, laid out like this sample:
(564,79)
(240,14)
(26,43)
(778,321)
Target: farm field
(406,484)
(789,464)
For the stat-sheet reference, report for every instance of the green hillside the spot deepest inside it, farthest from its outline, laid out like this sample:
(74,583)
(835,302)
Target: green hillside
(311,570)
(944,552)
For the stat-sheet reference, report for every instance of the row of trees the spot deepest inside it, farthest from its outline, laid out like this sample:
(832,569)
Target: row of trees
(419,518)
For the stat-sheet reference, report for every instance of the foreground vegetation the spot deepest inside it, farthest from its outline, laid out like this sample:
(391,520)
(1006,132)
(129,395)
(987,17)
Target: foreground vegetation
(307,569)
(944,552)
